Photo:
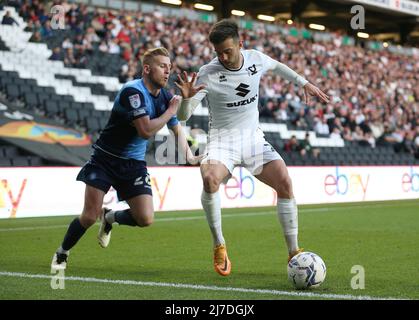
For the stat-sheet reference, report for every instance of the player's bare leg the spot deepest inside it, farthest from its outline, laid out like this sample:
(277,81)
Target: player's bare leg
(142,209)
(275,174)
(140,213)
(93,200)
(213,174)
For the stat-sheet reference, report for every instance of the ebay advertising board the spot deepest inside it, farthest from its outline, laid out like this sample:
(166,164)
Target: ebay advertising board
(33,192)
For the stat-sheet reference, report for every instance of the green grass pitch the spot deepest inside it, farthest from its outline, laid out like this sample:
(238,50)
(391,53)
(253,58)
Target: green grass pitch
(172,259)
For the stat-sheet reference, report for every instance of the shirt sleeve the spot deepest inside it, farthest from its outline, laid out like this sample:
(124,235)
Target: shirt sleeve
(133,102)
(172,122)
(202,77)
(267,62)
(279,68)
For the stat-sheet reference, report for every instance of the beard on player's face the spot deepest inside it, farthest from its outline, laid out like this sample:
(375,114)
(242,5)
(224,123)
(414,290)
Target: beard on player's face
(158,81)
(158,77)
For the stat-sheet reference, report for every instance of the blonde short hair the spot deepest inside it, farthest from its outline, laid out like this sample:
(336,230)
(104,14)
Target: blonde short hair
(151,53)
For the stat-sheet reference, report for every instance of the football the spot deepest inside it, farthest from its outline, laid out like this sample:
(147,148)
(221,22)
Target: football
(306,270)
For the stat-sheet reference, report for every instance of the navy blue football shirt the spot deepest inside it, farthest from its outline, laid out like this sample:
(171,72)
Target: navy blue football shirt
(120,137)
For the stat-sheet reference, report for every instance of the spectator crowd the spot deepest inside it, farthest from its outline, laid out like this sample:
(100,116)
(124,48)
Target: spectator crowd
(375,93)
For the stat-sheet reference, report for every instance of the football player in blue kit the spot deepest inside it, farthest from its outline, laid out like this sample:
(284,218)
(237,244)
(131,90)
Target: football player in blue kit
(141,108)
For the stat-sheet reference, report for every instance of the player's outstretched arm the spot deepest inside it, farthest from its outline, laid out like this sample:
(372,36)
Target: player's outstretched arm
(147,128)
(192,95)
(309,89)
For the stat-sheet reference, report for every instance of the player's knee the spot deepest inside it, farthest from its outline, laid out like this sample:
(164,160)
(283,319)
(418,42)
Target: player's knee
(89,215)
(87,220)
(284,188)
(211,182)
(144,220)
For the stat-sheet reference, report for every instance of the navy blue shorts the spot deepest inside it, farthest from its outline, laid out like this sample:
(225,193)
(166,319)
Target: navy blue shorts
(129,177)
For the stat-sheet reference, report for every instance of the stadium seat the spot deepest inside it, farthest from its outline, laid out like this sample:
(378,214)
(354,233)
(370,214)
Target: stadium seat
(51,108)
(12,92)
(102,122)
(5,80)
(35,161)
(20,161)
(31,82)
(76,105)
(63,105)
(31,100)
(24,88)
(5,162)
(71,116)
(49,90)
(92,124)
(43,98)
(8,151)
(88,105)
(83,114)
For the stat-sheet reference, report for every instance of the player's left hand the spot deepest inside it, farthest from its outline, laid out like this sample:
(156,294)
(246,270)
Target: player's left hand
(312,90)
(188,88)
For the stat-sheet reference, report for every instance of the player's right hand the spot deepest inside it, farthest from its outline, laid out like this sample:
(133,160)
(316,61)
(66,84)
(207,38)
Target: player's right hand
(174,104)
(312,90)
(188,88)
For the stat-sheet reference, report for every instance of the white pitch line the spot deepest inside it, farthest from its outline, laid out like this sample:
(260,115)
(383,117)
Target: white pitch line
(33,228)
(297,294)
(197,217)
(228,215)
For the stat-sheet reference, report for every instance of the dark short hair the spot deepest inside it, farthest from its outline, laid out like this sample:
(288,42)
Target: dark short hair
(223,30)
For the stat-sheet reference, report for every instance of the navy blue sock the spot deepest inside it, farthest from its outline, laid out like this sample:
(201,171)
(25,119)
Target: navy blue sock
(74,233)
(125,217)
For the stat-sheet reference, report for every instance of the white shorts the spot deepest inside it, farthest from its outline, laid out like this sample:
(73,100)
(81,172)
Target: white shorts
(252,153)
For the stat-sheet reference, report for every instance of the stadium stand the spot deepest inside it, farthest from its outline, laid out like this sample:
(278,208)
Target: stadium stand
(73,75)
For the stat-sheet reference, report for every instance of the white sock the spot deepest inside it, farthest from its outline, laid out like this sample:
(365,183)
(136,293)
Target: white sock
(288,217)
(61,250)
(212,206)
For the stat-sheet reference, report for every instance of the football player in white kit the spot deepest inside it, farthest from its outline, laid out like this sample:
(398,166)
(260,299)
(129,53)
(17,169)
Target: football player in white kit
(229,86)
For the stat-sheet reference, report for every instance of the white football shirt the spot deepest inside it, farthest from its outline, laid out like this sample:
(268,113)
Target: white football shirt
(232,95)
